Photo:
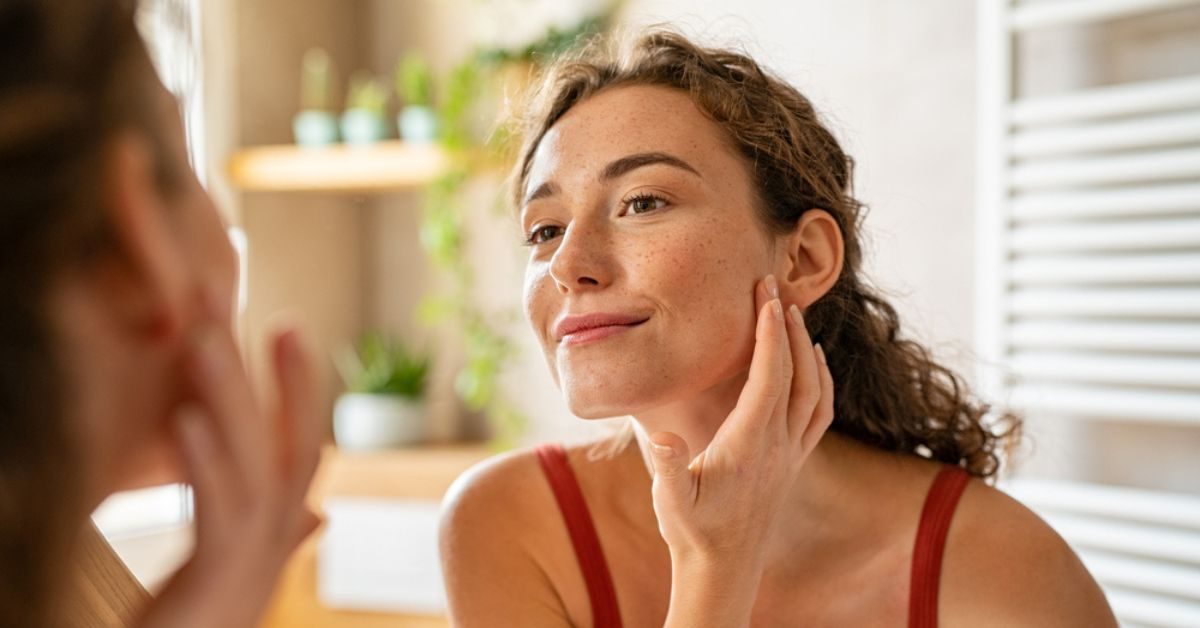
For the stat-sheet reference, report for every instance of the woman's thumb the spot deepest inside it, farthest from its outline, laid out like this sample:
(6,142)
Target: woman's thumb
(669,454)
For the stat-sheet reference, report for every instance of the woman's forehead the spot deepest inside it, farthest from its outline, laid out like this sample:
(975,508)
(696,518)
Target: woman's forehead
(627,120)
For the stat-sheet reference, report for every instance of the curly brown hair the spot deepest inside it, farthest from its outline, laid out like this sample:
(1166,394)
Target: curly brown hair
(892,394)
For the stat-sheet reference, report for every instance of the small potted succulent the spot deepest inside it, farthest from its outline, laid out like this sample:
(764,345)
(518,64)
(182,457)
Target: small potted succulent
(417,119)
(316,124)
(384,403)
(365,118)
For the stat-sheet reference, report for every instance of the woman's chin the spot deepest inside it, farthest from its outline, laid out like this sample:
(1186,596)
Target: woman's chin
(593,412)
(590,407)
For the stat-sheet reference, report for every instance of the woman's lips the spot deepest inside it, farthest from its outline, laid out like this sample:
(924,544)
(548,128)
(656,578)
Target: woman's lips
(586,328)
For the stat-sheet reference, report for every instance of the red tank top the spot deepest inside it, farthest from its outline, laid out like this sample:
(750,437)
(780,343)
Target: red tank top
(927,551)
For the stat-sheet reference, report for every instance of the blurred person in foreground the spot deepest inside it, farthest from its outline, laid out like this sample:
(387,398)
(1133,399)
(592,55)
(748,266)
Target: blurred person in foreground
(118,363)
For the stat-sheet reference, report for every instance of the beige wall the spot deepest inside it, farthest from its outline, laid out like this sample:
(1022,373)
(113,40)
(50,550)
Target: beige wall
(306,252)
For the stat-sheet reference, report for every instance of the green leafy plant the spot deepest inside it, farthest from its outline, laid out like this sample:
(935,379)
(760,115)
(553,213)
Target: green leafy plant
(316,81)
(382,365)
(414,81)
(367,93)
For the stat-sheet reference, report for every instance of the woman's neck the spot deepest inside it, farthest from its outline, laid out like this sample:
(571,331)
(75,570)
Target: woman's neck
(696,418)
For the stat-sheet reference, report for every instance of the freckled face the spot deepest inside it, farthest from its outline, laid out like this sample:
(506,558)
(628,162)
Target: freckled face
(639,209)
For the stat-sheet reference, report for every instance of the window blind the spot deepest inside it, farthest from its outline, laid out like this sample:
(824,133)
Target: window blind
(1089,288)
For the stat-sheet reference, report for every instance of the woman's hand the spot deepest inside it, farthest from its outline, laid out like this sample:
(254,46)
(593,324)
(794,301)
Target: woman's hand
(716,510)
(250,471)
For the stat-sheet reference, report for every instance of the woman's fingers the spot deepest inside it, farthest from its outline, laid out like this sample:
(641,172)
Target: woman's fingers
(760,397)
(806,382)
(208,468)
(249,474)
(822,417)
(222,388)
(674,484)
(787,368)
(768,289)
(300,429)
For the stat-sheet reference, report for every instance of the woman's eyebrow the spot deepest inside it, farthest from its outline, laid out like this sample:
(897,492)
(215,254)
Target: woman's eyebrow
(549,188)
(615,169)
(639,160)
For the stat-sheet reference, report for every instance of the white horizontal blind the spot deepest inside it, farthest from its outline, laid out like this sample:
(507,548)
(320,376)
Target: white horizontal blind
(1142,546)
(1089,232)
(1089,287)
(1130,267)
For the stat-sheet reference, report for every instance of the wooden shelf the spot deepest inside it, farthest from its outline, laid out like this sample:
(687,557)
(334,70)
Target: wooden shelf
(416,473)
(382,167)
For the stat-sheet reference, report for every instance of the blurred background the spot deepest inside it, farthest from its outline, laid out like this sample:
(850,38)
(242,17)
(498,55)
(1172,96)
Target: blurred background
(1033,175)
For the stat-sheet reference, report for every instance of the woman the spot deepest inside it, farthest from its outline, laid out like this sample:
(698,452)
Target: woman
(677,201)
(119,365)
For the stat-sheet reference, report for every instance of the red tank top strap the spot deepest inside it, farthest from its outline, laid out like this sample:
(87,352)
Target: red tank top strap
(603,596)
(930,545)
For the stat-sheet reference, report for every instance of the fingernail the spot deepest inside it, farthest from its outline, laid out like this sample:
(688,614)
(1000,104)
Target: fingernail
(662,451)
(797,317)
(820,353)
(772,286)
(777,309)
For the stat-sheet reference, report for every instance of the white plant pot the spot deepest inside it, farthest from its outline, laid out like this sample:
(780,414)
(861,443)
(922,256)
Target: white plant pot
(362,127)
(315,128)
(417,124)
(365,422)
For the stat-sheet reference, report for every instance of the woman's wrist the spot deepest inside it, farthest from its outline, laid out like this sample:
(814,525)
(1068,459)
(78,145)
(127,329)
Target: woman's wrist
(712,591)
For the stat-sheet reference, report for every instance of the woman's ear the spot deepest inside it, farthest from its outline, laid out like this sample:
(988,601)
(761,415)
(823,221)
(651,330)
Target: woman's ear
(815,254)
(146,275)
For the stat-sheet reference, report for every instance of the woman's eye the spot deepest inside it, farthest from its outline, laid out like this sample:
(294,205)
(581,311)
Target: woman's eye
(643,204)
(542,234)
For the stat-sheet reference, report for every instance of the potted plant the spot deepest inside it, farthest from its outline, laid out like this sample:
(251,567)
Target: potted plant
(417,120)
(365,118)
(384,402)
(315,124)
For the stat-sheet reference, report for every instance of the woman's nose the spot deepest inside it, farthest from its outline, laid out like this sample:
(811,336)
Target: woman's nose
(581,261)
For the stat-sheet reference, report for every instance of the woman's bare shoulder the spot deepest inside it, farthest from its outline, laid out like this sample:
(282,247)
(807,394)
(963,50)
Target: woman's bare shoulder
(500,524)
(510,490)
(1005,566)
(501,508)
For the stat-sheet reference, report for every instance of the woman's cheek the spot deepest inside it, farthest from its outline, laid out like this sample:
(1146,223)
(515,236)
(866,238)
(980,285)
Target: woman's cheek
(539,304)
(153,461)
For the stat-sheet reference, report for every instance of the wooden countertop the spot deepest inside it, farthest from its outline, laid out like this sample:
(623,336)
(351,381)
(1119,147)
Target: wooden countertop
(418,473)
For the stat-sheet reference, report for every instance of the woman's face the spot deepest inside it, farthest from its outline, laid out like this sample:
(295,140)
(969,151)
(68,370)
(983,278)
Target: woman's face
(645,248)
(139,440)
(197,226)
